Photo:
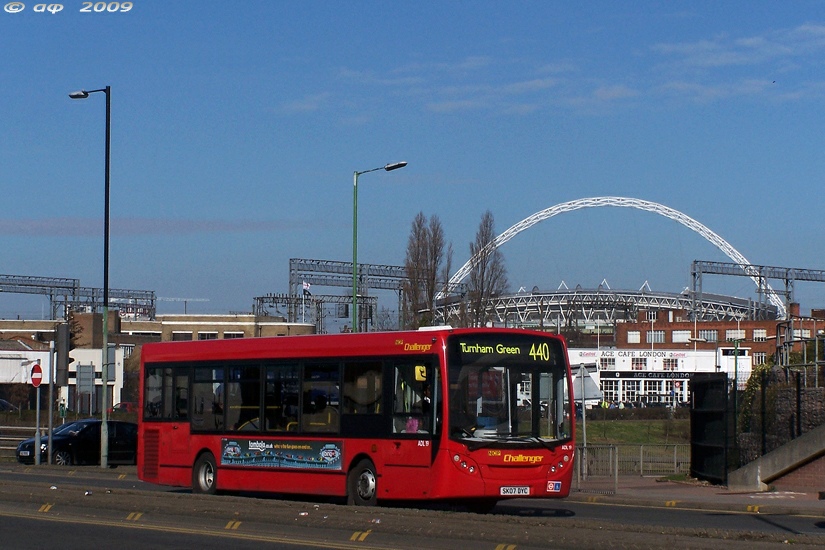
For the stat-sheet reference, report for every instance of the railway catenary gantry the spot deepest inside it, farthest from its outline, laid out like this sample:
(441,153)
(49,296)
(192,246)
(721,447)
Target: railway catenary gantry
(331,273)
(67,295)
(302,308)
(759,273)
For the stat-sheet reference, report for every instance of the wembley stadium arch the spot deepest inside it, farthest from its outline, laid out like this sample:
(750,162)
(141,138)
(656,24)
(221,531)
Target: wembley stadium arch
(563,306)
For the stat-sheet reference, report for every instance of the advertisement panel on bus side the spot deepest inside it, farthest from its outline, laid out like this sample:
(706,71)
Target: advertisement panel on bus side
(324,455)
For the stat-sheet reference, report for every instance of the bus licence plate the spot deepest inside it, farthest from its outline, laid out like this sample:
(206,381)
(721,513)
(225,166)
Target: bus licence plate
(515,491)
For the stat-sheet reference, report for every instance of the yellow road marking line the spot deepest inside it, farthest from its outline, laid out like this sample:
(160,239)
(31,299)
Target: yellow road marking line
(45,508)
(360,536)
(671,503)
(233,525)
(753,508)
(240,535)
(506,547)
(134,516)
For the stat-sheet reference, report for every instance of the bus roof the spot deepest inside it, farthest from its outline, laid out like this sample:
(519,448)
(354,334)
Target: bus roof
(420,342)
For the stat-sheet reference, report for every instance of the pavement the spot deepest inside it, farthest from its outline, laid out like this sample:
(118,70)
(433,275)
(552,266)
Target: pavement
(661,492)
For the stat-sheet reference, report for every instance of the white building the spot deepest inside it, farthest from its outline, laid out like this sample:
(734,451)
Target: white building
(16,366)
(661,375)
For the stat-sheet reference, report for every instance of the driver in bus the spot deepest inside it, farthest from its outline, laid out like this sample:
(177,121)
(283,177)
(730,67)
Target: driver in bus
(423,405)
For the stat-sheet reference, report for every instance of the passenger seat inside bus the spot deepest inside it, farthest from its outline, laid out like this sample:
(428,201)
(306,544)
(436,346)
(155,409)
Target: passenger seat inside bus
(324,419)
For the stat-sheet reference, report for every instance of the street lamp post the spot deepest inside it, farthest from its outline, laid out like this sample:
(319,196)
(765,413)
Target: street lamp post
(388,168)
(104,428)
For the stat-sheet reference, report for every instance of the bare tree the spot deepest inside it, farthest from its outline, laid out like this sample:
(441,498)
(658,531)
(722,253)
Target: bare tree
(428,260)
(385,319)
(488,276)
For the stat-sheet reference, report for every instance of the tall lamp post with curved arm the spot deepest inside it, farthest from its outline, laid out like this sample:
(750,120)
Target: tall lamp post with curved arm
(104,427)
(388,168)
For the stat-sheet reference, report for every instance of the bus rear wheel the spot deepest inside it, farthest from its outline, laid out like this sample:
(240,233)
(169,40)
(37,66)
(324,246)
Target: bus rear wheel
(362,485)
(204,475)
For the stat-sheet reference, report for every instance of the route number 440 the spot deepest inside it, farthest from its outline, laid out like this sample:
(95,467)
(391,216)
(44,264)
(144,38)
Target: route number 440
(540,352)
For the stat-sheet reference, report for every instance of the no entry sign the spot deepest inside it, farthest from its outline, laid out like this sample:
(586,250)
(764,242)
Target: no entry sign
(37,375)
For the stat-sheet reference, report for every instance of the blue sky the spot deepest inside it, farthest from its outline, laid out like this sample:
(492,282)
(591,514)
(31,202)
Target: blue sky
(236,128)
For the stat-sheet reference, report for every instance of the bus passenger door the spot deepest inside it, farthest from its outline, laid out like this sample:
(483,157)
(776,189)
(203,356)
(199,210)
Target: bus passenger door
(176,411)
(410,452)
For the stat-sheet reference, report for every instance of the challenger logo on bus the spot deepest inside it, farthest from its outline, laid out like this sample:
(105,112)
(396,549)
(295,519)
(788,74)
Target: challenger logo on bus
(523,459)
(413,346)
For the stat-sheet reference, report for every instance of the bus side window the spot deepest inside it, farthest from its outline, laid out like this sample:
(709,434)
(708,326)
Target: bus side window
(175,396)
(321,398)
(152,390)
(207,398)
(281,397)
(243,398)
(362,388)
(182,397)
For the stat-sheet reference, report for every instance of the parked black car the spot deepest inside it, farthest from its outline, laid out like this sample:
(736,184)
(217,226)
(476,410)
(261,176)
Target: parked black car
(79,443)
(6,406)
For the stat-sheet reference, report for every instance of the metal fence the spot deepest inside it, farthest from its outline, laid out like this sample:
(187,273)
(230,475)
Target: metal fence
(778,405)
(598,467)
(10,436)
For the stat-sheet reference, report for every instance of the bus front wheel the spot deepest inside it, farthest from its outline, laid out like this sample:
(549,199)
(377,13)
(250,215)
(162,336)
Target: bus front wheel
(204,475)
(362,485)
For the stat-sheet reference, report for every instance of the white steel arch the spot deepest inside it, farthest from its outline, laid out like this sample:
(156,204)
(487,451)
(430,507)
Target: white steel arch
(623,202)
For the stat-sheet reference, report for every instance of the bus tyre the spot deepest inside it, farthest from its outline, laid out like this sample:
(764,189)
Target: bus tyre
(204,475)
(362,487)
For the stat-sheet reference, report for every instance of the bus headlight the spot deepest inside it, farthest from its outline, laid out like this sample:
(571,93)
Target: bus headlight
(465,464)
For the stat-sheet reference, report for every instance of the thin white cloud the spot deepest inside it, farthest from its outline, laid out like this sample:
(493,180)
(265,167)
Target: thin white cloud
(391,79)
(723,51)
(455,105)
(614,92)
(468,64)
(529,86)
(690,71)
(710,92)
(307,104)
(90,227)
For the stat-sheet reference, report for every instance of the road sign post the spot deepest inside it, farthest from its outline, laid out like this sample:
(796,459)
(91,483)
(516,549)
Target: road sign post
(36,378)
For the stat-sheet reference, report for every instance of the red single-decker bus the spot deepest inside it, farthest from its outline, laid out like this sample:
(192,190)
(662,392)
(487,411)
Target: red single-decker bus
(470,415)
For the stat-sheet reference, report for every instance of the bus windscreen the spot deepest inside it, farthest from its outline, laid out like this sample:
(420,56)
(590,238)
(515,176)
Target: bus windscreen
(494,381)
